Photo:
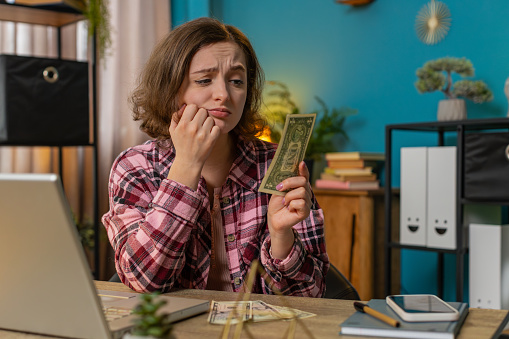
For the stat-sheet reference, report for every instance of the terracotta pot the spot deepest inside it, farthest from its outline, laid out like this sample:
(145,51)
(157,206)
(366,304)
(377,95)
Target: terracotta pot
(452,109)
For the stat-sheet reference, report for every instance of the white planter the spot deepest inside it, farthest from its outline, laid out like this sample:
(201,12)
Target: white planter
(452,109)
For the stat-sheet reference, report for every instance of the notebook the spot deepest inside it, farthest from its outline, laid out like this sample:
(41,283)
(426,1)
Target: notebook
(365,325)
(46,286)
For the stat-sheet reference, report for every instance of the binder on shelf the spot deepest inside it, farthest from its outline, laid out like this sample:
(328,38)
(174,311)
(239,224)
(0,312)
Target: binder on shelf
(413,196)
(489,266)
(441,198)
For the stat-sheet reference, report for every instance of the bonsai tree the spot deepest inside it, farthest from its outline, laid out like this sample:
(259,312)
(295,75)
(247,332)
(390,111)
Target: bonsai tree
(436,75)
(151,323)
(329,124)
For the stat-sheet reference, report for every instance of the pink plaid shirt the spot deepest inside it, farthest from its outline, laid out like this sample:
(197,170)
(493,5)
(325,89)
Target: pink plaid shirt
(161,230)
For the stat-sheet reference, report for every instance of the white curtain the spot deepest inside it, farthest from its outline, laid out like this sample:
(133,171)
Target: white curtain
(136,26)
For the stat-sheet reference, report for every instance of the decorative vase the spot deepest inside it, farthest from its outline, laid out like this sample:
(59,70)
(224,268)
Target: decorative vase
(452,109)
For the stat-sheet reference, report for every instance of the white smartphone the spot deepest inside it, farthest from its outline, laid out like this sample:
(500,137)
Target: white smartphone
(421,307)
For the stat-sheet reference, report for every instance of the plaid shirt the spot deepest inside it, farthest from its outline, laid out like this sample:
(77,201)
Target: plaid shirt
(161,230)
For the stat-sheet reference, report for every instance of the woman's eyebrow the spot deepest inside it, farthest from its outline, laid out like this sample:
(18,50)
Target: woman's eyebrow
(238,67)
(205,70)
(234,68)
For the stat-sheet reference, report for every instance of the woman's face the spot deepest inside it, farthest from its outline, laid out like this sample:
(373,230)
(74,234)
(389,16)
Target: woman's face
(217,81)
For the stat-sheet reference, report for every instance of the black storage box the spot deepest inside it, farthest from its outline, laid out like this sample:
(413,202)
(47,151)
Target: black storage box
(487,166)
(43,101)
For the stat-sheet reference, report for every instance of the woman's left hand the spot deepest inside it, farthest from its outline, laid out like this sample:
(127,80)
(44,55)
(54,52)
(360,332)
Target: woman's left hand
(286,211)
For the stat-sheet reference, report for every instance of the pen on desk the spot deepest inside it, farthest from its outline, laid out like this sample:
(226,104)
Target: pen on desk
(380,316)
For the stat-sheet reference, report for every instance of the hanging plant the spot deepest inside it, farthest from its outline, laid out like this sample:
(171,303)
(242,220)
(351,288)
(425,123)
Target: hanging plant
(98,18)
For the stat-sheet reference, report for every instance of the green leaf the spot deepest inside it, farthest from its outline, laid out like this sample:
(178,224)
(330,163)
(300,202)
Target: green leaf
(329,125)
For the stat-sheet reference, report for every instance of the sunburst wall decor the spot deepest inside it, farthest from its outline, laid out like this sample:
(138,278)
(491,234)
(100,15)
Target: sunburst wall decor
(433,22)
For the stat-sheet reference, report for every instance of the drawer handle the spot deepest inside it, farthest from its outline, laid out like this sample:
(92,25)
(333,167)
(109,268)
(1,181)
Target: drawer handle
(507,152)
(50,74)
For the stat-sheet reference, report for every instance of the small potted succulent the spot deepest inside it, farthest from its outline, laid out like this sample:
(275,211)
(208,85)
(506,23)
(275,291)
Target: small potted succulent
(436,75)
(150,323)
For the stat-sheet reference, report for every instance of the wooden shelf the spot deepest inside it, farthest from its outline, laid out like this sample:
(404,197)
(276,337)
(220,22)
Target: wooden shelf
(50,15)
(59,13)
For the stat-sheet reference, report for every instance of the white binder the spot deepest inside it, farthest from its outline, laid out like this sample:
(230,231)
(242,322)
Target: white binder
(441,216)
(413,188)
(489,266)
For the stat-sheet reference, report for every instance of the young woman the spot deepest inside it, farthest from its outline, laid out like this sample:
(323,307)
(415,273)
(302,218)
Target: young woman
(185,211)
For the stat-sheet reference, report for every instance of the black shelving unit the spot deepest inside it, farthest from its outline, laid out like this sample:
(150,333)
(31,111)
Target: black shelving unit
(457,128)
(60,15)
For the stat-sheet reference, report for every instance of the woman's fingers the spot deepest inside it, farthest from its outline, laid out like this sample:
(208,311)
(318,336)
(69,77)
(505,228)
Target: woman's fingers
(298,189)
(303,170)
(297,195)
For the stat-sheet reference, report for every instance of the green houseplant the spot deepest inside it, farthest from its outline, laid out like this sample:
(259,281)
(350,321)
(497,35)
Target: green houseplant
(329,129)
(98,17)
(151,323)
(436,75)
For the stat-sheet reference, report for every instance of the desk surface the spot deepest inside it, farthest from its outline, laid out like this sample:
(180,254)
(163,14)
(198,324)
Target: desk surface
(480,323)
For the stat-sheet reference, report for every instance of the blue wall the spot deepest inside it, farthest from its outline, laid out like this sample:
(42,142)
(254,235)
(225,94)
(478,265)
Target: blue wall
(366,58)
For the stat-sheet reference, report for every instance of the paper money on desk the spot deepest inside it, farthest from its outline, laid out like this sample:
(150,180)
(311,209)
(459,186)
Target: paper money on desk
(290,151)
(220,310)
(289,313)
(256,311)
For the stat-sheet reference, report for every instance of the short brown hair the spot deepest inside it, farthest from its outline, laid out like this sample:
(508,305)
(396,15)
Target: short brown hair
(156,98)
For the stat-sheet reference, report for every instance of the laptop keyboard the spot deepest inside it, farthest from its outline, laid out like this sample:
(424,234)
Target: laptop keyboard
(113,313)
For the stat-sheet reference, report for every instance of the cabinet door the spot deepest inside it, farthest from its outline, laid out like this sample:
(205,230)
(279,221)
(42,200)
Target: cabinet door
(349,238)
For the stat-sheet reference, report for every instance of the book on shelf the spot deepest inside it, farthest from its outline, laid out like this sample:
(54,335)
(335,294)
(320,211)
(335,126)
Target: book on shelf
(349,171)
(365,325)
(349,177)
(360,163)
(354,156)
(347,185)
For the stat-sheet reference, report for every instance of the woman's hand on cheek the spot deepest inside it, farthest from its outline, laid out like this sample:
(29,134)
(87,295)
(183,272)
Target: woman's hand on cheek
(193,136)
(284,212)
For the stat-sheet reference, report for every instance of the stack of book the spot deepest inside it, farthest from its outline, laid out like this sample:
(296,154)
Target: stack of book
(351,170)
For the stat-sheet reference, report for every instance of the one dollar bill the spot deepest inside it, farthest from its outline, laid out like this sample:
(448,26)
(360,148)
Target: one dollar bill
(221,311)
(255,311)
(290,151)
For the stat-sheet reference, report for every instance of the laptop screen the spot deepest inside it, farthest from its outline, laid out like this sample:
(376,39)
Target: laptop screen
(46,283)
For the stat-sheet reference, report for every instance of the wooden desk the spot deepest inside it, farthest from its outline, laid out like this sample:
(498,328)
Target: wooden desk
(480,323)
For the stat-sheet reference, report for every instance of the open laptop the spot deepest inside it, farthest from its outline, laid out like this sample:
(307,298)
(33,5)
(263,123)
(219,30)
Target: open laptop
(46,286)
